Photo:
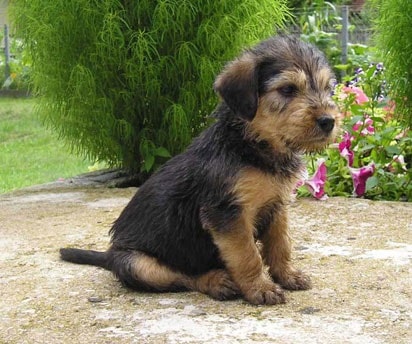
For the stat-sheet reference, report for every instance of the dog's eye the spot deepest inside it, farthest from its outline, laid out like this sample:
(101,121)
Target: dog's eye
(288,90)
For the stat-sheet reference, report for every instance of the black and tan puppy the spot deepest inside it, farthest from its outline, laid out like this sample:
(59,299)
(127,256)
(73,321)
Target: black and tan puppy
(194,225)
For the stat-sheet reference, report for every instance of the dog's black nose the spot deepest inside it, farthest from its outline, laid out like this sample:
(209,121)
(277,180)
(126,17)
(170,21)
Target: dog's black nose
(326,123)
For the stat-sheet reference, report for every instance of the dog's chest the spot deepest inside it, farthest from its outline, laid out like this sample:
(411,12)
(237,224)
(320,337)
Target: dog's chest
(255,189)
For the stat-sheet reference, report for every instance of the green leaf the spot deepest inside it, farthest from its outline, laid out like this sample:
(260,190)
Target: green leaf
(392,150)
(148,163)
(367,148)
(371,183)
(342,66)
(162,152)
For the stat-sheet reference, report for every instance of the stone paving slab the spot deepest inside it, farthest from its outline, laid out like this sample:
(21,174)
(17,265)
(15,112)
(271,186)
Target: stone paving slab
(358,253)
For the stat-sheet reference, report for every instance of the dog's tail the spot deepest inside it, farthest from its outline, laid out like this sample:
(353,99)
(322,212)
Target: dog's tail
(88,257)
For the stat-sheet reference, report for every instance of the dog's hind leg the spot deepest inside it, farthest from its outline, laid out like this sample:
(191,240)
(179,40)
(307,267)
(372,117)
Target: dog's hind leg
(139,271)
(218,284)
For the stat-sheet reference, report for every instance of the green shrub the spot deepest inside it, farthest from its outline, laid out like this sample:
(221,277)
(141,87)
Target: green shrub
(393,27)
(130,82)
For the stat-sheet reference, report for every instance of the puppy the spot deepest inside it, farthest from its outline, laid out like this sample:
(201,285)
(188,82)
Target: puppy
(195,223)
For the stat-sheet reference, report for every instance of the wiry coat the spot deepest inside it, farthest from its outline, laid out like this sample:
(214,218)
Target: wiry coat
(194,223)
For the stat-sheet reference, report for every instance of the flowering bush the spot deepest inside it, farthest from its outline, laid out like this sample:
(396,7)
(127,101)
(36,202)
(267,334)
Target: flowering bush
(372,157)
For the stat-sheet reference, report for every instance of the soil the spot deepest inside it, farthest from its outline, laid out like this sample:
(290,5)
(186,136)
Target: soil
(358,253)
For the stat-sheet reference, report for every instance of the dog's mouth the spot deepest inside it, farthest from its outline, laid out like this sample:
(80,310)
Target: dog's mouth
(311,144)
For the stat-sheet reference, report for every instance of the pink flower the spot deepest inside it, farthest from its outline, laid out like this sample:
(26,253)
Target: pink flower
(316,183)
(344,148)
(360,96)
(367,126)
(359,177)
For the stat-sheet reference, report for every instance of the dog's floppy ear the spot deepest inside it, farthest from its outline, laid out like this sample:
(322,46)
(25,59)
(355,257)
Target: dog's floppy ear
(238,86)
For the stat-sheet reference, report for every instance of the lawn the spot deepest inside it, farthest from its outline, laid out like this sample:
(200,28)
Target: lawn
(29,152)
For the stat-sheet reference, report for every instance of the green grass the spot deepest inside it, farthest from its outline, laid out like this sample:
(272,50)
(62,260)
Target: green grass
(29,153)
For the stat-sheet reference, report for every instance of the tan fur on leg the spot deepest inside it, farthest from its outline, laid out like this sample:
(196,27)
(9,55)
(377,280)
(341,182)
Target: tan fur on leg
(149,271)
(277,255)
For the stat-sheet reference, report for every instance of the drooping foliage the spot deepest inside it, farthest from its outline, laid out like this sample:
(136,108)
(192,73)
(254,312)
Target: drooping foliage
(393,32)
(130,82)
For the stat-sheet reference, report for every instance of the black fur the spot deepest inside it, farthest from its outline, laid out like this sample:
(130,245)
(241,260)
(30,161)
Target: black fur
(80,256)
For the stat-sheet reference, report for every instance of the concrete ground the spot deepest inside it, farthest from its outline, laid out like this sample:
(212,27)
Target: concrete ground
(358,253)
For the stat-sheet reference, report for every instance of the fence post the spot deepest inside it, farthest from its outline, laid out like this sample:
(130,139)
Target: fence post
(345,35)
(6,52)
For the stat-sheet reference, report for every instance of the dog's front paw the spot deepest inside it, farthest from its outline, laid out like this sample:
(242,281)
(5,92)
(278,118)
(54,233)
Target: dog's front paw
(268,293)
(294,280)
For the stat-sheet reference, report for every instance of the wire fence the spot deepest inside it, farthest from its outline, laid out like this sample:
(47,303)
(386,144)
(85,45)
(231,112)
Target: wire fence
(349,24)
(333,20)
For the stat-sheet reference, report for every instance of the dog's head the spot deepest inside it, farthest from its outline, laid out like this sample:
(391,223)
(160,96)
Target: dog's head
(282,89)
